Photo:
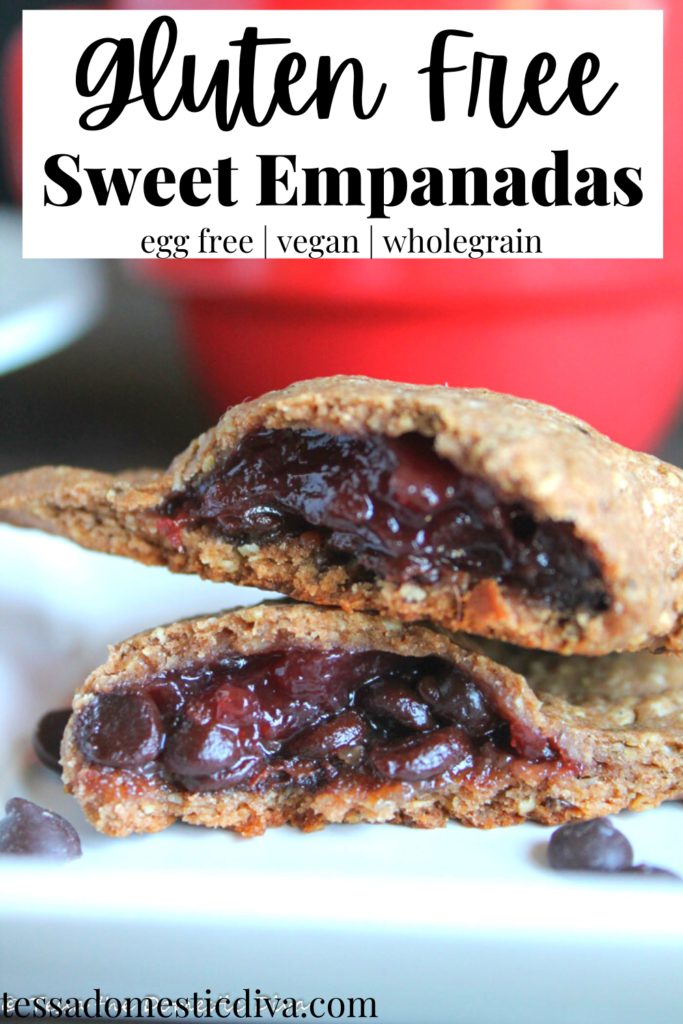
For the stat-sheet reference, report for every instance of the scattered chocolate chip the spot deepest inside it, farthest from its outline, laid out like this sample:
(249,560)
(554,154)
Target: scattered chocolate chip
(47,739)
(589,846)
(652,870)
(121,730)
(33,831)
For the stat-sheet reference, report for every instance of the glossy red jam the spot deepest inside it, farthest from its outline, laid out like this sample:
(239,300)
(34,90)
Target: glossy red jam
(391,506)
(303,716)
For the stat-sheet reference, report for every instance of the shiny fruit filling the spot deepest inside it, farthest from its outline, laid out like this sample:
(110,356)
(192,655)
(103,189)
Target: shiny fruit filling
(302,716)
(391,505)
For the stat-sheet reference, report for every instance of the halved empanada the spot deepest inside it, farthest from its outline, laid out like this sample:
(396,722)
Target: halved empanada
(287,713)
(474,510)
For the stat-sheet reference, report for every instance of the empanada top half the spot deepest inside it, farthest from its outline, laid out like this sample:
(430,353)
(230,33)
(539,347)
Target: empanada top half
(475,510)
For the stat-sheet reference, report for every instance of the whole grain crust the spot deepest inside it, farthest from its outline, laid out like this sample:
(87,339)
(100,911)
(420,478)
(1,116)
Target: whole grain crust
(616,722)
(626,507)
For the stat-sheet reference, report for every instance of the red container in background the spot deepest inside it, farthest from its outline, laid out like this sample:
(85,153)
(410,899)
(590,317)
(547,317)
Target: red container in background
(599,338)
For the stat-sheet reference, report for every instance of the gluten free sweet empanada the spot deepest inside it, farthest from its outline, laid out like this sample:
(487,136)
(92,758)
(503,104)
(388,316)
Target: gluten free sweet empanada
(474,510)
(288,713)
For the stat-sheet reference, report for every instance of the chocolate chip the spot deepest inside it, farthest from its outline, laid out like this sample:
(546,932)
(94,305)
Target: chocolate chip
(33,831)
(208,740)
(589,846)
(47,738)
(121,730)
(241,772)
(653,871)
(344,731)
(456,698)
(396,701)
(423,757)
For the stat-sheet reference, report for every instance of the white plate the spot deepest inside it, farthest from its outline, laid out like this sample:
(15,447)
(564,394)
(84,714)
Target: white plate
(44,304)
(453,926)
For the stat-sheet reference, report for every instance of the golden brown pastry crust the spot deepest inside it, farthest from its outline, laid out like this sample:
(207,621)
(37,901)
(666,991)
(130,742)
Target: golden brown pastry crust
(626,506)
(622,743)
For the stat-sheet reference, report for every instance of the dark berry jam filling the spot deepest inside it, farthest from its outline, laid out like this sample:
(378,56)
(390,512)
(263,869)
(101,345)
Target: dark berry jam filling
(391,504)
(302,716)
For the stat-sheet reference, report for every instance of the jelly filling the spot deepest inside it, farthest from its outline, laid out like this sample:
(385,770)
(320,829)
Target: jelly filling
(302,716)
(393,506)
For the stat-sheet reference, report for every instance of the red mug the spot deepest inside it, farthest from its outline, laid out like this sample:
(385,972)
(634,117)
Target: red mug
(599,338)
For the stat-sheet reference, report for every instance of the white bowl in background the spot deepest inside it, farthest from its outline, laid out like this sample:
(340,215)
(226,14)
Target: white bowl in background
(44,304)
